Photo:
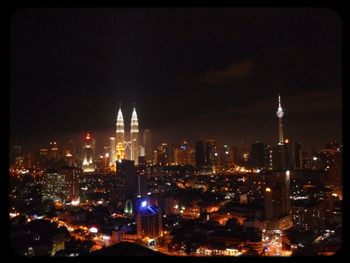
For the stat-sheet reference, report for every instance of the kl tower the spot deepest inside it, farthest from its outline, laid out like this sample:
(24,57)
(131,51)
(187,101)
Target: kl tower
(280,114)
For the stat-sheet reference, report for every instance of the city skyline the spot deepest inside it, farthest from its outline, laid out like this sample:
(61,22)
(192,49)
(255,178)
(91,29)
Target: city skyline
(197,132)
(185,84)
(103,138)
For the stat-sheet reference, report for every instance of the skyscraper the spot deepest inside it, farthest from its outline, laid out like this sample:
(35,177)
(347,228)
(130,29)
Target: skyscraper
(277,199)
(88,153)
(112,154)
(258,155)
(120,136)
(163,154)
(147,143)
(200,154)
(149,221)
(297,156)
(53,151)
(210,151)
(134,134)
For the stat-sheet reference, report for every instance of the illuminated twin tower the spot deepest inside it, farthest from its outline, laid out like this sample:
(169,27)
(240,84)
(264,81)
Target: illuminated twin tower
(125,149)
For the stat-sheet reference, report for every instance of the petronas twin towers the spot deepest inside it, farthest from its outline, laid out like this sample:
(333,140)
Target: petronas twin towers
(125,149)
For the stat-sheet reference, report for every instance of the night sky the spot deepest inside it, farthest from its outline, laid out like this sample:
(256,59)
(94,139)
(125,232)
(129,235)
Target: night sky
(193,73)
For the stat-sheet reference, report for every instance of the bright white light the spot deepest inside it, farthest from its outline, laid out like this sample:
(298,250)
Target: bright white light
(93,230)
(144,204)
(314,158)
(104,237)
(107,154)
(75,202)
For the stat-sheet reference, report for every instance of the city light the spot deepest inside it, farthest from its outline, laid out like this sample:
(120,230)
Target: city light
(268,189)
(144,204)
(93,230)
(75,202)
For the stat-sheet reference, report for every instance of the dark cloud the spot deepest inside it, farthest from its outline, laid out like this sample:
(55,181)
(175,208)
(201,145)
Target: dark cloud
(239,70)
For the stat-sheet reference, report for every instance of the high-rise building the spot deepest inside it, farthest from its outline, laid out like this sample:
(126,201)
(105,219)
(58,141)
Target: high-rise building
(163,154)
(54,151)
(54,187)
(308,215)
(226,156)
(200,154)
(258,155)
(182,154)
(134,134)
(88,153)
(297,156)
(112,155)
(277,195)
(210,150)
(305,160)
(120,136)
(147,143)
(71,178)
(149,221)
(155,157)
(126,170)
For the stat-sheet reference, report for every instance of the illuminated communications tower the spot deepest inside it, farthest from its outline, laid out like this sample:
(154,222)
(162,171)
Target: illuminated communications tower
(134,133)
(280,114)
(120,136)
(89,152)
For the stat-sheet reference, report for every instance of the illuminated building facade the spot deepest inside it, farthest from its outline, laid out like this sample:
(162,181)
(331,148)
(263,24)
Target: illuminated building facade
(120,137)
(210,151)
(54,187)
(53,151)
(147,143)
(308,215)
(277,195)
(88,153)
(71,178)
(134,134)
(226,156)
(112,155)
(183,154)
(163,154)
(149,221)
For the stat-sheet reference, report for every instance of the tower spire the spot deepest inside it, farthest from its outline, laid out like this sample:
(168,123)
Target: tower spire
(279,101)
(280,114)
(134,134)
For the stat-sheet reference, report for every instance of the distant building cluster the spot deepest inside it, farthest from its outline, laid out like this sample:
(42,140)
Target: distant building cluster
(192,198)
